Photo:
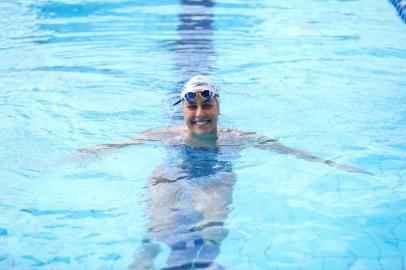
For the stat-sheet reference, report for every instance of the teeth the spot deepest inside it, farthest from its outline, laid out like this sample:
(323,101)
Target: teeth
(201,123)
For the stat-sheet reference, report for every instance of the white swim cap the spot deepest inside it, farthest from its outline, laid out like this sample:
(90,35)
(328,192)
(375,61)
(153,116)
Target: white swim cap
(198,83)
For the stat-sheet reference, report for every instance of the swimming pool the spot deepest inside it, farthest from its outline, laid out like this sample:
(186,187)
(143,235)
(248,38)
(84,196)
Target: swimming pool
(326,77)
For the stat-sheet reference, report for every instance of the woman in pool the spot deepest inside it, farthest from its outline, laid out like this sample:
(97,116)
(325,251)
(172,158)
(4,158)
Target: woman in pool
(200,105)
(189,195)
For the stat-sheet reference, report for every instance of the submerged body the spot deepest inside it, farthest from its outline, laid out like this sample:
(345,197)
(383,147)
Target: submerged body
(188,200)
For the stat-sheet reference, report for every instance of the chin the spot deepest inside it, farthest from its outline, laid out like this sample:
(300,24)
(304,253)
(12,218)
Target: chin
(205,131)
(201,131)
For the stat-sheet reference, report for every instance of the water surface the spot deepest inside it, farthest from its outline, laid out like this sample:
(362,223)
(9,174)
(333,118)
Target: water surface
(326,77)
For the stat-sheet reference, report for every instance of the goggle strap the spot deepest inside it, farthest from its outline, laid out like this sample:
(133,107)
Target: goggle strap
(177,102)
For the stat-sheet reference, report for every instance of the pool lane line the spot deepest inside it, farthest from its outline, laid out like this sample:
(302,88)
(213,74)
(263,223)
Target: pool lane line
(400,6)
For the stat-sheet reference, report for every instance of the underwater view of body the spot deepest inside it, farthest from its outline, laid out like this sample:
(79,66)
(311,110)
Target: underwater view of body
(308,171)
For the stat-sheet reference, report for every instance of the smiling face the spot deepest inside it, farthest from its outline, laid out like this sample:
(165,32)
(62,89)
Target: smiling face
(201,116)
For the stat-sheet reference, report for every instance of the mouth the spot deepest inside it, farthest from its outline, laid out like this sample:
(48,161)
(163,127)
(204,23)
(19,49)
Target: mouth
(201,123)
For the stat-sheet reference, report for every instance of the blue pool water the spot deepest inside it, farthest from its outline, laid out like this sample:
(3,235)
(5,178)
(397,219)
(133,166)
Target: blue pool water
(326,77)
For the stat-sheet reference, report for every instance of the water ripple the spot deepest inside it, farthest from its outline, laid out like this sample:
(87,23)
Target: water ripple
(74,214)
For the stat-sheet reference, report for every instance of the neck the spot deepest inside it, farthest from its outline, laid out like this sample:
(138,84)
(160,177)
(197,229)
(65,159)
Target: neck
(203,140)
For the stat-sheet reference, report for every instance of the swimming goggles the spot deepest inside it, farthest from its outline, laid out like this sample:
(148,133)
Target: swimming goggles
(191,96)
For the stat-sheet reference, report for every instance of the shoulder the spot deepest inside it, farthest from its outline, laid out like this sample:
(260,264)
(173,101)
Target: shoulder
(174,130)
(181,129)
(167,135)
(238,137)
(238,133)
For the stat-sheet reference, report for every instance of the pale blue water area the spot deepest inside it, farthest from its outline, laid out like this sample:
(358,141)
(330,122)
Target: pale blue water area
(326,77)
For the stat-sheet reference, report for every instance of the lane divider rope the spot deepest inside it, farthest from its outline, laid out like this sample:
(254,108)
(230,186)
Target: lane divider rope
(400,6)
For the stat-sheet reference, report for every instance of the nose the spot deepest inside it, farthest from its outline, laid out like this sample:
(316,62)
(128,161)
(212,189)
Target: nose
(200,111)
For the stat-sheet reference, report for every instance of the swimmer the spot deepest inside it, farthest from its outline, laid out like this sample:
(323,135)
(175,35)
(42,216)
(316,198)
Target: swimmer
(190,193)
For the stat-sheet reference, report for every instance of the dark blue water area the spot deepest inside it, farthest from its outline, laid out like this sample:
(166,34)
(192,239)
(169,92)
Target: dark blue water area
(68,10)
(72,214)
(3,232)
(197,162)
(55,260)
(111,257)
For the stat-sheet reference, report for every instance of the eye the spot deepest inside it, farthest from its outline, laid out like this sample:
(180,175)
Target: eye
(191,106)
(207,106)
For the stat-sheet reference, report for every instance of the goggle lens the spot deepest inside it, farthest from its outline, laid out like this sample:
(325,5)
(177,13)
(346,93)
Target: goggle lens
(205,94)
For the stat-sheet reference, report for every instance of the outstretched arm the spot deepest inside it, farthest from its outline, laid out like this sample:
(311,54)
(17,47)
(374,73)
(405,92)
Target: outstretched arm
(163,136)
(276,146)
(102,148)
(262,142)
(106,147)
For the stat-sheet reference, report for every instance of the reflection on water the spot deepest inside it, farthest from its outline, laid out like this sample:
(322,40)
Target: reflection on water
(193,51)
